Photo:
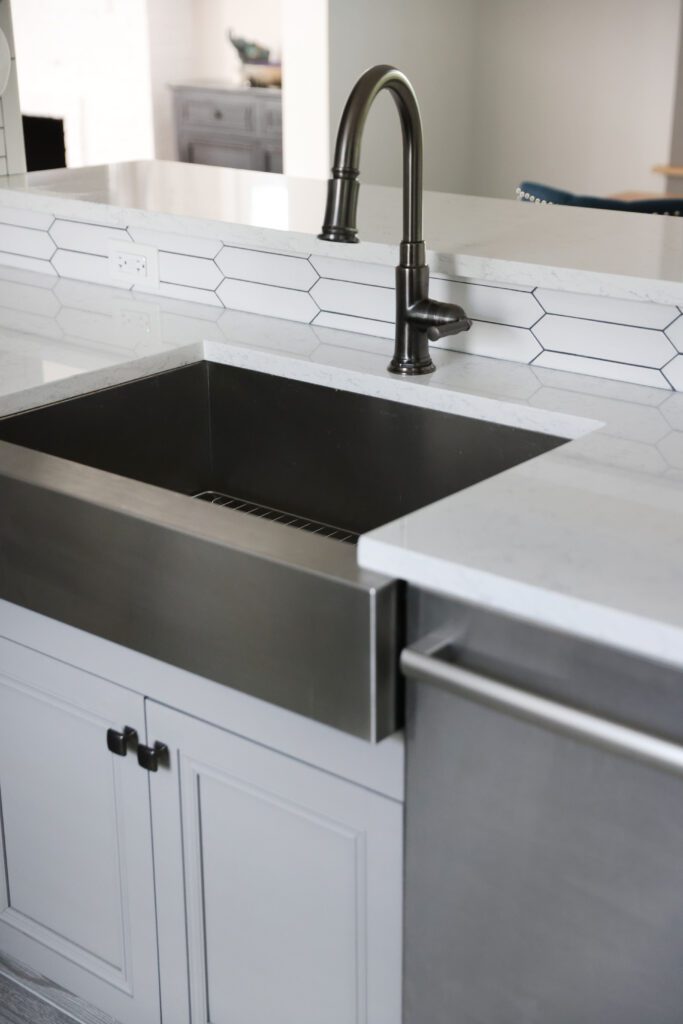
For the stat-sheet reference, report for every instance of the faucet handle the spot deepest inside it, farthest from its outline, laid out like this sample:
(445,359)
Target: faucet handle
(439,319)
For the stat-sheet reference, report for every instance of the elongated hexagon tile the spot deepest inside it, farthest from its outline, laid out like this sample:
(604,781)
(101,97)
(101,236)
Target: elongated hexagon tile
(352,299)
(674,373)
(637,345)
(266,268)
(484,302)
(287,303)
(674,333)
(603,368)
(498,341)
(95,239)
(30,242)
(188,271)
(167,241)
(610,310)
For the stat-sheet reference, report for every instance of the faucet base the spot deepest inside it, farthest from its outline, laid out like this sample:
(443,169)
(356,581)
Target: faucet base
(410,368)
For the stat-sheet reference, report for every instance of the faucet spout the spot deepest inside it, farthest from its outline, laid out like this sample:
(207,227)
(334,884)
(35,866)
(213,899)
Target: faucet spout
(419,319)
(342,199)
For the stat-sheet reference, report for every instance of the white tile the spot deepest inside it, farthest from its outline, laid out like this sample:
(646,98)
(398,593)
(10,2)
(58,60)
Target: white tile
(498,341)
(602,368)
(260,298)
(29,263)
(179,291)
(674,373)
(25,218)
(84,267)
(497,305)
(350,270)
(266,268)
(596,307)
(190,271)
(89,238)
(637,345)
(28,297)
(675,333)
(355,299)
(183,244)
(26,242)
(355,324)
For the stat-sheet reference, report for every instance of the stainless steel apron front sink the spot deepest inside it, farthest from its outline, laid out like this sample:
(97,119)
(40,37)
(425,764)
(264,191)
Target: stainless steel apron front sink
(254,585)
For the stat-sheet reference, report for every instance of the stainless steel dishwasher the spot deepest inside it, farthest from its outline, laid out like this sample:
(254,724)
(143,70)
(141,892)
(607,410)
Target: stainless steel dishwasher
(544,828)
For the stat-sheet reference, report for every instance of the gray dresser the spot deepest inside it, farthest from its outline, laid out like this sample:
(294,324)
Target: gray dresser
(221,124)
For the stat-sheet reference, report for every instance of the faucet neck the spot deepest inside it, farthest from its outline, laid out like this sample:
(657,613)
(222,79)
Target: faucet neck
(342,200)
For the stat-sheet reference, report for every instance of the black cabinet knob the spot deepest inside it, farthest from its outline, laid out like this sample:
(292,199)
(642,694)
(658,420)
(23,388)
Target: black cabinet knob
(118,742)
(150,758)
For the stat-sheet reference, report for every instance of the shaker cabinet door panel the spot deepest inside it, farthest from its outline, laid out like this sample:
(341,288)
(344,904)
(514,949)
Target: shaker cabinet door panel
(293,881)
(76,897)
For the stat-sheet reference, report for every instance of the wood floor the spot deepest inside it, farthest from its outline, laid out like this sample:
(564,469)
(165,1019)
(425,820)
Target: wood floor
(19,1006)
(28,998)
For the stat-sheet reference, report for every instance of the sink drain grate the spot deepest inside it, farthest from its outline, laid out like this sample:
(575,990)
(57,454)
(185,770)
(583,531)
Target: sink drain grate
(276,516)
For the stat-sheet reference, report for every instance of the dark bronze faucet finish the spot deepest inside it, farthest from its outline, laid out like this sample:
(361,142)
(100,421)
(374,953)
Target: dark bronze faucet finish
(419,319)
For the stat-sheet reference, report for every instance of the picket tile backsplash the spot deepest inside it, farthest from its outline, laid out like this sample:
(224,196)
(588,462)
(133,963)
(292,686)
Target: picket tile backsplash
(620,339)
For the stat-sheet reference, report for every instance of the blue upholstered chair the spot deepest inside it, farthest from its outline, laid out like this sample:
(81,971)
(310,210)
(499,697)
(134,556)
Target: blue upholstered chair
(532,192)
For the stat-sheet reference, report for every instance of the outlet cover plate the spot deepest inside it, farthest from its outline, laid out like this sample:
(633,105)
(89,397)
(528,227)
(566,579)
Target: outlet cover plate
(148,255)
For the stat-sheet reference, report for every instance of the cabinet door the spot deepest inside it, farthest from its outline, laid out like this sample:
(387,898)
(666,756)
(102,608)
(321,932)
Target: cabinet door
(76,881)
(292,885)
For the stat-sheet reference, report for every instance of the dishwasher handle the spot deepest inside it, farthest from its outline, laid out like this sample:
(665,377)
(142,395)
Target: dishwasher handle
(422,662)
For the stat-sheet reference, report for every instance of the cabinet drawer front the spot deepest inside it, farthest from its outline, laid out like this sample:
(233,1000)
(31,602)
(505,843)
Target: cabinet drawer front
(293,885)
(230,114)
(75,892)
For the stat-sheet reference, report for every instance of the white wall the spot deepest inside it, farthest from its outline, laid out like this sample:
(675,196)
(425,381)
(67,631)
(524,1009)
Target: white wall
(431,42)
(576,94)
(306,88)
(87,61)
(171,58)
(257,20)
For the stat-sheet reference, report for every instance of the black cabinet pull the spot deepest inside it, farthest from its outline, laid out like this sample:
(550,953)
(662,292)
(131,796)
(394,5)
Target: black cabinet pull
(118,742)
(149,758)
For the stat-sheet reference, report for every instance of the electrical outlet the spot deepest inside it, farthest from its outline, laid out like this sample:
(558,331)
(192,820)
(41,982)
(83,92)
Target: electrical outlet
(131,264)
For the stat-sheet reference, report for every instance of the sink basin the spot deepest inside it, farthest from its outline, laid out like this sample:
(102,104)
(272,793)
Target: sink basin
(256,585)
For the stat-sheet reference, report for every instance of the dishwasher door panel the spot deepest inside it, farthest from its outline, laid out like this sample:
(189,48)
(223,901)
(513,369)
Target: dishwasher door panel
(544,863)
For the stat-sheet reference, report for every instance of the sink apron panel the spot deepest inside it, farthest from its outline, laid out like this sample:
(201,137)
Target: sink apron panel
(313,634)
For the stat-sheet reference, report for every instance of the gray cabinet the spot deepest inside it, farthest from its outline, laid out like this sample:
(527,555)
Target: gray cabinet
(235,883)
(228,127)
(76,877)
(292,883)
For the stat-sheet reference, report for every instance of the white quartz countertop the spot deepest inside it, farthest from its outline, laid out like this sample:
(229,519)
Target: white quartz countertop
(587,538)
(598,252)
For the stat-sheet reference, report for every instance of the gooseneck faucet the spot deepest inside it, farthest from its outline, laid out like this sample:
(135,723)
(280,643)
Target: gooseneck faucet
(419,319)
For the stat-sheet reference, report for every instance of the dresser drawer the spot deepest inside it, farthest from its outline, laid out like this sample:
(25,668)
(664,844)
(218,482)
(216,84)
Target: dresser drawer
(231,113)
